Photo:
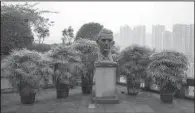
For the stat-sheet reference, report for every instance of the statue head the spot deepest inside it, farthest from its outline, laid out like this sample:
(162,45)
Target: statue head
(105,41)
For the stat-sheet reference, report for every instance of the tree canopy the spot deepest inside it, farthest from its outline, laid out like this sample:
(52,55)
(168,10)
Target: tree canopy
(68,35)
(89,31)
(18,22)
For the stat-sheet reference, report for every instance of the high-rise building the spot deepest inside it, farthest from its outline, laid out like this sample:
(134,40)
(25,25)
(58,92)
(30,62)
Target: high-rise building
(192,40)
(126,35)
(157,36)
(182,37)
(117,39)
(139,35)
(189,41)
(179,35)
(167,40)
(148,40)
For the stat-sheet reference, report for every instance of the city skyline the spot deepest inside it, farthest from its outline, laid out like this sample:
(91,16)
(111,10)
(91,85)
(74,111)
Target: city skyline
(149,39)
(114,14)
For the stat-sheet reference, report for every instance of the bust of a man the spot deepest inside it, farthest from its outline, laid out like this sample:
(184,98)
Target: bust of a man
(105,42)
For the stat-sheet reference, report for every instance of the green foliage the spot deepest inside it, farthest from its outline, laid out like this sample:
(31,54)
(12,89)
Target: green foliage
(169,69)
(115,51)
(89,53)
(133,62)
(17,22)
(39,47)
(29,68)
(89,31)
(68,35)
(42,33)
(14,33)
(67,64)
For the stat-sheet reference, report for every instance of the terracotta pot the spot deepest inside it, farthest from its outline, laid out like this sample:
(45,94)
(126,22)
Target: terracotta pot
(62,93)
(86,89)
(62,90)
(167,97)
(147,87)
(133,90)
(27,96)
(181,93)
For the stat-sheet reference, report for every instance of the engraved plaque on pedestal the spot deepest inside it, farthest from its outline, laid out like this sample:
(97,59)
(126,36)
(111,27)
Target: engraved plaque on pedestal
(105,82)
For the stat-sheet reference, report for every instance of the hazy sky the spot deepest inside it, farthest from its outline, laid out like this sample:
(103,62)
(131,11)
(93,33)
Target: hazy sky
(115,14)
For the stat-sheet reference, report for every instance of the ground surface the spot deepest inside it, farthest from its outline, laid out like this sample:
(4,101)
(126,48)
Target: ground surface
(46,102)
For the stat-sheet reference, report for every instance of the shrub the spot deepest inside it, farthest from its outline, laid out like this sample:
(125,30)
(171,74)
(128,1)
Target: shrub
(169,69)
(39,47)
(67,64)
(89,52)
(133,62)
(26,68)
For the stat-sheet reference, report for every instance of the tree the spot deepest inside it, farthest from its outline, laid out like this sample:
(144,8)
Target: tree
(89,31)
(17,23)
(68,35)
(14,33)
(42,33)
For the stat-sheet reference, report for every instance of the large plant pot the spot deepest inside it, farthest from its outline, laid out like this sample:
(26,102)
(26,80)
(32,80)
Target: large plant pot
(167,97)
(181,93)
(27,96)
(133,89)
(86,89)
(62,91)
(147,87)
(133,92)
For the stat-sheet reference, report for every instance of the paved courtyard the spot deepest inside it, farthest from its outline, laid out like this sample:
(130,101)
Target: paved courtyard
(46,102)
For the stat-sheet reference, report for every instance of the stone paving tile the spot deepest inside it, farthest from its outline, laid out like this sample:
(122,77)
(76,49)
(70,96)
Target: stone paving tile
(10,109)
(98,109)
(143,108)
(38,108)
(82,109)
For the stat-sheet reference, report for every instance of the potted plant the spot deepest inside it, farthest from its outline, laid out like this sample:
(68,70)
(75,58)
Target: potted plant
(133,85)
(89,52)
(26,70)
(133,62)
(64,79)
(148,82)
(169,70)
(67,66)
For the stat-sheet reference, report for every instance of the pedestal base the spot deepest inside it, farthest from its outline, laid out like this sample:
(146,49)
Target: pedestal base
(105,100)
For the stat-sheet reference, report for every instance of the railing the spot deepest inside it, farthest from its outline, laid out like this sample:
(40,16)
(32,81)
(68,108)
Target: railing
(189,91)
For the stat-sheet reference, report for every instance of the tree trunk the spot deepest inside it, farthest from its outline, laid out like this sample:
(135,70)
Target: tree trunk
(43,40)
(39,40)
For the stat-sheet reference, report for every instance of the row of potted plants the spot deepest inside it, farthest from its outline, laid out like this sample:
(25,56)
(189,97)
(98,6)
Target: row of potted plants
(28,70)
(167,69)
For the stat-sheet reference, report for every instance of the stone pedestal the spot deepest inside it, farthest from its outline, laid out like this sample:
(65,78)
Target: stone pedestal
(105,83)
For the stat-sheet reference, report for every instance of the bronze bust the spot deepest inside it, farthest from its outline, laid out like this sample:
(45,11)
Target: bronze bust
(105,42)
